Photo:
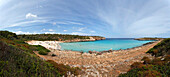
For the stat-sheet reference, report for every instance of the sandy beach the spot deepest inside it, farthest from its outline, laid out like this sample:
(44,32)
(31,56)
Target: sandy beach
(47,44)
(109,64)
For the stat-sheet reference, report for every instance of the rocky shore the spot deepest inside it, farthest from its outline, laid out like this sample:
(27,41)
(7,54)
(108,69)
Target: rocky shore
(108,64)
(108,51)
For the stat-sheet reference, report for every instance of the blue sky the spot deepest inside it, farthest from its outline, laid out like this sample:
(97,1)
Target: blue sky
(108,18)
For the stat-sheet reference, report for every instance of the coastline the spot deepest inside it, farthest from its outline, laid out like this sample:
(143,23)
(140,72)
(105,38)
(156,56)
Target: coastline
(110,63)
(148,39)
(55,45)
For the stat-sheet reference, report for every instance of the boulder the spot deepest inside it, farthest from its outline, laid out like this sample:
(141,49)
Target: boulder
(90,52)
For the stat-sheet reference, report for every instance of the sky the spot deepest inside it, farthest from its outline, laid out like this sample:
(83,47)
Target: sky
(108,18)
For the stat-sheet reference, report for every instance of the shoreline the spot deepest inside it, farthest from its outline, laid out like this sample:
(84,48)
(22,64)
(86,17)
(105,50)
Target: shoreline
(56,46)
(109,51)
(110,64)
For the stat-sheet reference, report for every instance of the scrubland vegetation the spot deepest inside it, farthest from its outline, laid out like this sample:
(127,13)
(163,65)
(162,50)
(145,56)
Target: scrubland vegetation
(149,38)
(18,60)
(57,37)
(157,67)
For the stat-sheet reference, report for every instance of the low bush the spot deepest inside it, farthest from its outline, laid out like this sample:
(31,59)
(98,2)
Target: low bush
(43,53)
(157,67)
(15,62)
(53,55)
(65,68)
(18,60)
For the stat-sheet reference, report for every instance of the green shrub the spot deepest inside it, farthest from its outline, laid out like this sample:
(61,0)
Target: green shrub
(57,37)
(53,55)
(18,63)
(41,48)
(146,60)
(157,67)
(43,53)
(8,35)
(18,60)
(65,68)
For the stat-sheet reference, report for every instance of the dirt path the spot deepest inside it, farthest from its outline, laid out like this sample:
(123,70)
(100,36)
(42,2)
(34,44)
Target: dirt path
(105,65)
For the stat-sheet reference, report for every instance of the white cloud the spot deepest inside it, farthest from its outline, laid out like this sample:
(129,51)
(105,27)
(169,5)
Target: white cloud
(73,33)
(30,15)
(78,33)
(43,30)
(64,30)
(67,22)
(76,23)
(121,18)
(51,33)
(21,32)
(149,26)
(81,29)
(93,31)
(136,20)
(24,23)
(54,23)
(51,30)
(58,22)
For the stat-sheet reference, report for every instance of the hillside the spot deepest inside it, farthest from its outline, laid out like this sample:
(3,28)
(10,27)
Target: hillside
(147,38)
(159,66)
(56,37)
(18,60)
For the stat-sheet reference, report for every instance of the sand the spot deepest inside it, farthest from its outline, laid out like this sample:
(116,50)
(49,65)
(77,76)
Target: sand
(46,44)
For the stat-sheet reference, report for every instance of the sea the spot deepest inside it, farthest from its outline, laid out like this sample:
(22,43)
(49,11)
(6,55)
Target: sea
(103,45)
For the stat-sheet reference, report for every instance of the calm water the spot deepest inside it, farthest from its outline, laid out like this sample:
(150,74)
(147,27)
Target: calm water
(101,45)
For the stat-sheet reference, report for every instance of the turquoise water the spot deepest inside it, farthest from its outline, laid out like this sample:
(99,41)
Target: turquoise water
(101,45)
